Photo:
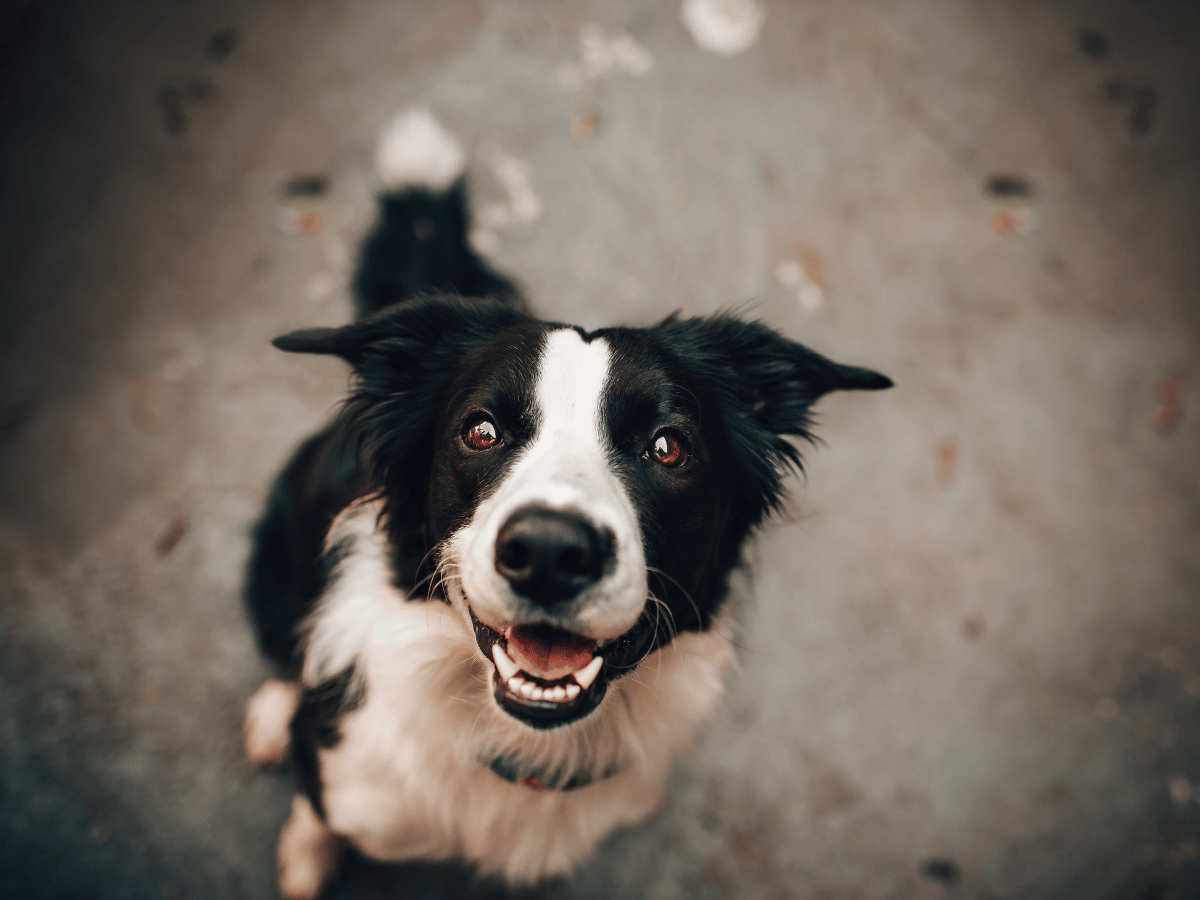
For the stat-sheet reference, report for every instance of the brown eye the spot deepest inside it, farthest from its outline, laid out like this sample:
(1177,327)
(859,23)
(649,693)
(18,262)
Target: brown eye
(667,450)
(481,435)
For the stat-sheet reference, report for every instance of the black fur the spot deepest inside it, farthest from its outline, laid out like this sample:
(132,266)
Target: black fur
(747,387)
(411,362)
(730,389)
(287,571)
(733,391)
(420,247)
(417,248)
(315,725)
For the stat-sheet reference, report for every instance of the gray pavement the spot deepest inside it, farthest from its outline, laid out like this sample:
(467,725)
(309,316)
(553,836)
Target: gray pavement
(971,664)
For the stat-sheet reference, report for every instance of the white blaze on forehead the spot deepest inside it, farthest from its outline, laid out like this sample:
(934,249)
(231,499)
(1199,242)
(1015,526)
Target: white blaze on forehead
(569,389)
(567,466)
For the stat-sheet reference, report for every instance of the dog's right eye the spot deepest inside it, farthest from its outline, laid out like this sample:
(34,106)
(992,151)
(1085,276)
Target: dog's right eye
(481,435)
(668,450)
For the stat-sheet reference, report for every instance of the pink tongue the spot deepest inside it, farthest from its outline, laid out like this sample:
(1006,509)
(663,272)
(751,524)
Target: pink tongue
(549,653)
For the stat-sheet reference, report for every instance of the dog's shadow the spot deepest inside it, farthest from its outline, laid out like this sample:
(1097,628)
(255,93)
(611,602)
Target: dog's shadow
(364,879)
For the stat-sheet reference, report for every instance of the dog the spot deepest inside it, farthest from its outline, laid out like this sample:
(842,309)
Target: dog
(495,584)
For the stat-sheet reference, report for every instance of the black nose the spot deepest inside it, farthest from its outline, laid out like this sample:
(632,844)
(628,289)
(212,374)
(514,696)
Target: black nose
(550,556)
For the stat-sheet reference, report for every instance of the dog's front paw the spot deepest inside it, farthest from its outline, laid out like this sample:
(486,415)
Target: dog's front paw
(307,855)
(266,732)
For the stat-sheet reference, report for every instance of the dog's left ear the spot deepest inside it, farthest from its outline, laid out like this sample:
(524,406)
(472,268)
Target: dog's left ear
(765,386)
(780,380)
(761,374)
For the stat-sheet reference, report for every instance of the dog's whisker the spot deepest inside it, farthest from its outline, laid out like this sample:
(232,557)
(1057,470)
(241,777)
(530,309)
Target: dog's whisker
(425,558)
(444,574)
(670,619)
(673,629)
(475,724)
(687,595)
(416,585)
(670,626)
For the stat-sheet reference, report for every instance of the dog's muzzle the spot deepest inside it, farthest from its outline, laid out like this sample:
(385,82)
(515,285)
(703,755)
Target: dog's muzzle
(550,557)
(547,675)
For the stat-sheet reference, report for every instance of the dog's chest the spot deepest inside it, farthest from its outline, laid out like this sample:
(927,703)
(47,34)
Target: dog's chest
(407,780)
(409,777)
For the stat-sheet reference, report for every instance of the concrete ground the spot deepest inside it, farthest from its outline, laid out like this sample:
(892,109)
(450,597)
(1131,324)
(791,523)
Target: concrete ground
(971,667)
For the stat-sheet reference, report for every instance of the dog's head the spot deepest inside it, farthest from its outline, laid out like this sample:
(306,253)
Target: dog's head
(583,496)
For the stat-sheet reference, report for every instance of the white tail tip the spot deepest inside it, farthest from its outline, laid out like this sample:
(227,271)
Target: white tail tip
(725,27)
(416,151)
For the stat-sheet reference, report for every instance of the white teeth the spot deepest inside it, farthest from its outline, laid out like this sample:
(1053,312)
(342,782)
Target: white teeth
(588,673)
(559,693)
(505,666)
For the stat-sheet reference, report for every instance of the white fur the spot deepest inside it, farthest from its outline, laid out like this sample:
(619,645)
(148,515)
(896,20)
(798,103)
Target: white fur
(725,27)
(565,468)
(335,632)
(307,854)
(408,778)
(265,732)
(416,151)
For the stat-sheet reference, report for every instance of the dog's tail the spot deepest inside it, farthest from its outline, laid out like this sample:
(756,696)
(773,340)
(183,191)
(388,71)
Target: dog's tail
(420,244)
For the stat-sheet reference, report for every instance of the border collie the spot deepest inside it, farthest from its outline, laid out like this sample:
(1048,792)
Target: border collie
(495,583)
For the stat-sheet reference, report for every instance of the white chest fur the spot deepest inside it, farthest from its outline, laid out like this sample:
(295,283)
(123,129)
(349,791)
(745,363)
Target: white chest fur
(406,780)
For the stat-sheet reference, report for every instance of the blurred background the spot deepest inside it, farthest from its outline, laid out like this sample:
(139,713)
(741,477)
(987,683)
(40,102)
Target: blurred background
(971,666)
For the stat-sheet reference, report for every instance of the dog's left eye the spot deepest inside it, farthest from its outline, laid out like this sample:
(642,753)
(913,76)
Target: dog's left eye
(668,450)
(481,435)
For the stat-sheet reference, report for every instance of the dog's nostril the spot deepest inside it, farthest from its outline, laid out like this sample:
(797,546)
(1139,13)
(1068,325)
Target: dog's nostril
(573,561)
(513,555)
(549,556)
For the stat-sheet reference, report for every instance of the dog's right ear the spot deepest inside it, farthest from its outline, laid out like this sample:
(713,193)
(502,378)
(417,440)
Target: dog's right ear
(336,341)
(352,342)
(404,330)
(404,358)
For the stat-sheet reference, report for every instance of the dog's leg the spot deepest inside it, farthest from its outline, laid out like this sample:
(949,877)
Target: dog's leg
(308,853)
(266,732)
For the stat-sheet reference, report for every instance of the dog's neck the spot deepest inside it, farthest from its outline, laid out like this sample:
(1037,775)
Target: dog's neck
(517,771)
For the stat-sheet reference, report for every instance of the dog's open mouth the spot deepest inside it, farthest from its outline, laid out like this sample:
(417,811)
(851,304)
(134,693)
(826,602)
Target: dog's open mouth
(547,677)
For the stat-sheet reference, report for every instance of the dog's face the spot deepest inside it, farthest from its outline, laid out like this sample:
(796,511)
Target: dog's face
(568,483)
(584,495)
